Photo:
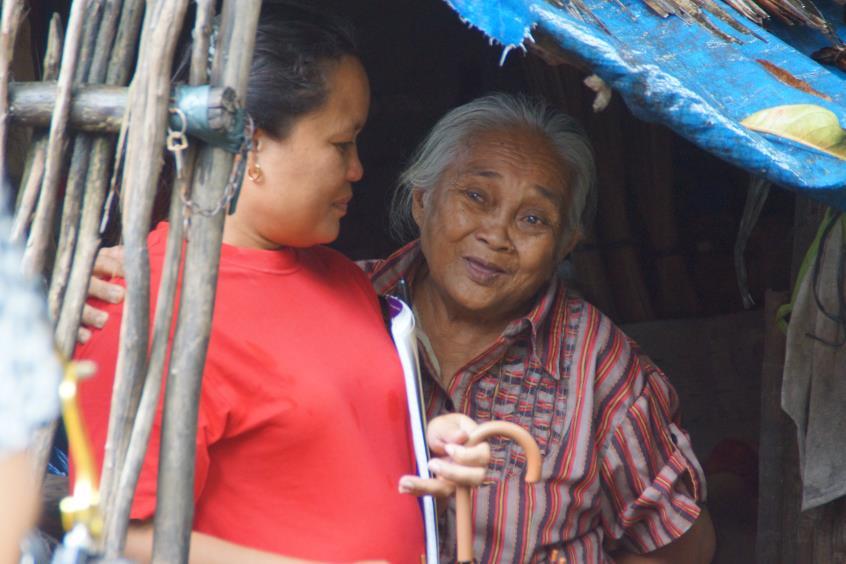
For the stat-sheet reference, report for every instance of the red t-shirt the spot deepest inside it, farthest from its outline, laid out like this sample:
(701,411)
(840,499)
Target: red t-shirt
(303,426)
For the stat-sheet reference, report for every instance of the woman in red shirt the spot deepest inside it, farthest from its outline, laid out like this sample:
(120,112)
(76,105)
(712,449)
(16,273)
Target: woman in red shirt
(303,427)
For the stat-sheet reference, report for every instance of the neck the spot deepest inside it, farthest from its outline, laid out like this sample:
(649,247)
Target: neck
(236,235)
(457,336)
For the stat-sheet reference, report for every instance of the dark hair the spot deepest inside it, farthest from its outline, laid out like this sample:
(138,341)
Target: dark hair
(296,44)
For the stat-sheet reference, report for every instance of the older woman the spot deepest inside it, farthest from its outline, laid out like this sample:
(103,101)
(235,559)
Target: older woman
(498,191)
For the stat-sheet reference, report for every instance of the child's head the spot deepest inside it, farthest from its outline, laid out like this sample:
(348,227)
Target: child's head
(309,97)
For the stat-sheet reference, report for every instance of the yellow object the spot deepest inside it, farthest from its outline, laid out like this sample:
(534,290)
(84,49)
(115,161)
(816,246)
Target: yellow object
(83,505)
(807,124)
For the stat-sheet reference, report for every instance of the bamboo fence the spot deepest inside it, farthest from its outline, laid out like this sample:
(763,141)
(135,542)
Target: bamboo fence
(106,73)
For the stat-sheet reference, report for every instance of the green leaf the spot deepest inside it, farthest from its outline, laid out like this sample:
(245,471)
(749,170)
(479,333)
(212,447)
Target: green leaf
(807,124)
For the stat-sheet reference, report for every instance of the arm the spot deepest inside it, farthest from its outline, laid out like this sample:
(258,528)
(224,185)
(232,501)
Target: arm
(696,546)
(205,549)
(18,503)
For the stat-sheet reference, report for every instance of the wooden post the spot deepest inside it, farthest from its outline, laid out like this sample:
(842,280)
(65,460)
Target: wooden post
(34,168)
(175,509)
(147,408)
(146,126)
(11,19)
(35,255)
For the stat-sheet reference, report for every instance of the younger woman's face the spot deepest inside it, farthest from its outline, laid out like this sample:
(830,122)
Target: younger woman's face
(307,175)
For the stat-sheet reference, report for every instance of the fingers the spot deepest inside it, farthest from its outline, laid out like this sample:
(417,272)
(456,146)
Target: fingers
(106,291)
(456,473)
(83,335)
(418,486)
(450,428)
(93,317)
(475,456)
(465,466)
(109,262)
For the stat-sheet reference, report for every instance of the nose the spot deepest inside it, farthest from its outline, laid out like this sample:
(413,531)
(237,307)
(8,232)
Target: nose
(355,170)
(493,232)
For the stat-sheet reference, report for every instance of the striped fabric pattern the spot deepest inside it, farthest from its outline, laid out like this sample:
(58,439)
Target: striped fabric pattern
(618,470)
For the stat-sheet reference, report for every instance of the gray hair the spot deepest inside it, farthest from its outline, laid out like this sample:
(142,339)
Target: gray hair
(497,112)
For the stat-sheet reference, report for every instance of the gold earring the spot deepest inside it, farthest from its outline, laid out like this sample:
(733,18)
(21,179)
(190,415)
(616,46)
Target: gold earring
(254,171)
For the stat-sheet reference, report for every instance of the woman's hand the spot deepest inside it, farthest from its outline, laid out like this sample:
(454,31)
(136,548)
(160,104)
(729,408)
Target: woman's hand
(452,463)
(108,265)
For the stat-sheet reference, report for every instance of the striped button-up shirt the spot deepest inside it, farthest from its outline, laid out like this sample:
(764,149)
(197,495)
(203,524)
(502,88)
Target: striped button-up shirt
(618,471)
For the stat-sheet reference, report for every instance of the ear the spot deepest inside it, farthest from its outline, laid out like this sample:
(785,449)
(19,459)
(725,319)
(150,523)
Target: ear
(572,242)
(258,139)
(418,212)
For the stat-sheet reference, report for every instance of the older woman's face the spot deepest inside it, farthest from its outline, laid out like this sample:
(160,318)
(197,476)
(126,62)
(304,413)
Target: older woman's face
(491,229)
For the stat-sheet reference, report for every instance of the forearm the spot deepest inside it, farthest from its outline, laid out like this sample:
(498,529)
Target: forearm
(696,546)
(18,503)
(205,549)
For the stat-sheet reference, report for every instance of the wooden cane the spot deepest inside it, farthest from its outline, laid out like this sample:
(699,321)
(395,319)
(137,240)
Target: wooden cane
(463,509)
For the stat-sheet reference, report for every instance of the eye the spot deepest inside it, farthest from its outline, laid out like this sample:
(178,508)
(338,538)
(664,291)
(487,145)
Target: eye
(344,146)
(536,221)
(474,195)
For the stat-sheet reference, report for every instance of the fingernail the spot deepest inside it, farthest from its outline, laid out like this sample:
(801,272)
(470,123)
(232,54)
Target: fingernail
(101,319)
(450,449)
(405,485)
(116,294)
(435,465)
(84,335)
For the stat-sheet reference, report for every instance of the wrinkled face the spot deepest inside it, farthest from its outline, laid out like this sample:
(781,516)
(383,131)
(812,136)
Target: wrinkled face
(491,229)
(307,175)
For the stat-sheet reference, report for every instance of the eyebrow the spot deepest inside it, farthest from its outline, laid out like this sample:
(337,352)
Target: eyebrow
(545,192)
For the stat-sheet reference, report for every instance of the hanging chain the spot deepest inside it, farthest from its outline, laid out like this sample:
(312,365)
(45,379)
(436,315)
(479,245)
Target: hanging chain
(190,207)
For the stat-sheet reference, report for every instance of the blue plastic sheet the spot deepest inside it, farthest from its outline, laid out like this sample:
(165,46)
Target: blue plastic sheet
(699,85)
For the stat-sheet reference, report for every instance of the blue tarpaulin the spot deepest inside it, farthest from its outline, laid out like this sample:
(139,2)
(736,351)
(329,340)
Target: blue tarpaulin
(701,86)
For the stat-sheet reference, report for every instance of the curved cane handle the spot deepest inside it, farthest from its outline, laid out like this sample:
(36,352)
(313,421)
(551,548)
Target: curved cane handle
(463,510)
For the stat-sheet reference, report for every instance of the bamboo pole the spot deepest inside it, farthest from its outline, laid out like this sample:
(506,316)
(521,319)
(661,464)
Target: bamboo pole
(146,127)
(118,517)
(35,254)
(11,19)
(175,509)
(72,201)
(34,169)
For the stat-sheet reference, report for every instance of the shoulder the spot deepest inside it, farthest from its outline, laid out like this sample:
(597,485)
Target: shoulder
(333,261)
(576,332)
(337,267)
(597,353)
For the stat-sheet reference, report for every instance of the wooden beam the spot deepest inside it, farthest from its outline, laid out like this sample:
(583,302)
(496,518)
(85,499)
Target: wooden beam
(95,108)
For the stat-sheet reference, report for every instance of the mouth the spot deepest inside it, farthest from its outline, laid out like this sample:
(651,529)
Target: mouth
(483,272)
(343,204)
